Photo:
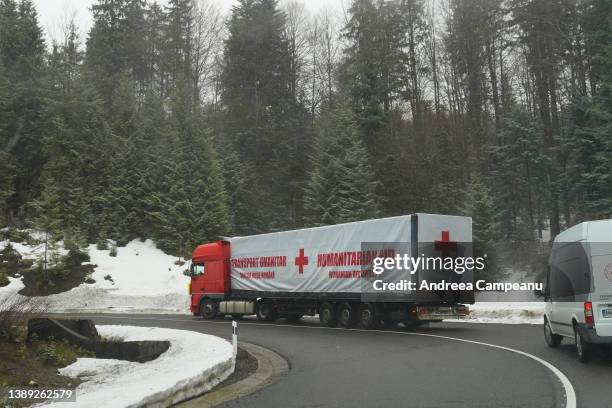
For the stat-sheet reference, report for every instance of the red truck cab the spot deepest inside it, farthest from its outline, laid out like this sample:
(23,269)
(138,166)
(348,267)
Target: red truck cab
(210,273)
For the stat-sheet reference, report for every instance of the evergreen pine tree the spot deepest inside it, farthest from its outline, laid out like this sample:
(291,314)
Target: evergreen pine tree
(342,187)
(191,205)
(47,219)
(76,142)
(22,51)
(518,175)
(7,165)
(264,122)
(486,229)
(480,206)
(245,216)
(590,130)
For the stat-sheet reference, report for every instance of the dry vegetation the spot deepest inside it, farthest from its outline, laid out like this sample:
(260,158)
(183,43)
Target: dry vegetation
(30,362)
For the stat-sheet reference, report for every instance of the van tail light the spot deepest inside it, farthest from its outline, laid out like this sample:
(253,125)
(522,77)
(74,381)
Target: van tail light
(189,288)
(588,313)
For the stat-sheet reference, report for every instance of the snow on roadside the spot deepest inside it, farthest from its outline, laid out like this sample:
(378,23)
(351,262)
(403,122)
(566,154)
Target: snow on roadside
(141,278)
(139,269)
(14,286)
(506,312)
(193,364)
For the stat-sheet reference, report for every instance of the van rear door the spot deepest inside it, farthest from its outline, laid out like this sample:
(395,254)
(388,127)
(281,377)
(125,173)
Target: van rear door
(601,264)
(602,295)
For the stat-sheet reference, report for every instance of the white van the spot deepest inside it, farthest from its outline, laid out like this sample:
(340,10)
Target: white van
(579,287)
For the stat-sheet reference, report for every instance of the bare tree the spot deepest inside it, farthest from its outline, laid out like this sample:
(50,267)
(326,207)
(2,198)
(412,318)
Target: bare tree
(208,32)
(326,49)
(296,34)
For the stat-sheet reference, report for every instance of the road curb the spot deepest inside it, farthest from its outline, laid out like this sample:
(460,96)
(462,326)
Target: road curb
(270,368)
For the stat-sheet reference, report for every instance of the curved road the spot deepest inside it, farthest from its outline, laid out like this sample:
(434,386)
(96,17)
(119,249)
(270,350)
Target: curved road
(358,368)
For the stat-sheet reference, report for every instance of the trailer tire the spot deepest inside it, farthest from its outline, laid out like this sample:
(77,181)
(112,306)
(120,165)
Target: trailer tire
(265,312)
(367,316)
(327,315)
(208,309)
(347,315)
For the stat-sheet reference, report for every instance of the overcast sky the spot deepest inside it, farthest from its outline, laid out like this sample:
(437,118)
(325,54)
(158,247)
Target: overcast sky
(53,12)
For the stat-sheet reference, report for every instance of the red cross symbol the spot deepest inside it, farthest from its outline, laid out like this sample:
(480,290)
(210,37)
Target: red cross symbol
(445,245)
(301,261)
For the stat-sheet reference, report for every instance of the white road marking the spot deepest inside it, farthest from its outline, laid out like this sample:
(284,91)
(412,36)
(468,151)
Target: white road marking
(570,393)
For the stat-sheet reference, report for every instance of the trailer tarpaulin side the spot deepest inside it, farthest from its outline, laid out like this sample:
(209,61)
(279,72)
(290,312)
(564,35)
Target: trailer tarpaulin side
(331,259)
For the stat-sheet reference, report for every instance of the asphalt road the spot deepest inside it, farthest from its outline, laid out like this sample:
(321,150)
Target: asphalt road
(354,368)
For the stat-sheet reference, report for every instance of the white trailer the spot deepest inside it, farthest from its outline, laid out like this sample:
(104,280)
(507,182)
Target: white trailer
(328,270)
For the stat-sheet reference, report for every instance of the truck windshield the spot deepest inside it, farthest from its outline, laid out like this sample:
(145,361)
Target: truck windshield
(197,269)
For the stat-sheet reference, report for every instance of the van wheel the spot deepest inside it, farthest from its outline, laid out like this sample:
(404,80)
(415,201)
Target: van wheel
(552,339)
(582,347)
(208,309)
(367,316)
(327,317)
(346,315)
(265,312)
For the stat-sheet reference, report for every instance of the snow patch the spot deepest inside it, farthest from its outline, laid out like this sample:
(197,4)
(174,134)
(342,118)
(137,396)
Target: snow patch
(139,269)
(193,364)
(143,279)
(14,286)
(506,312)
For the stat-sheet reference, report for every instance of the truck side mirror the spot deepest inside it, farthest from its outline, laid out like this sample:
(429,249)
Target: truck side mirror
(188,271)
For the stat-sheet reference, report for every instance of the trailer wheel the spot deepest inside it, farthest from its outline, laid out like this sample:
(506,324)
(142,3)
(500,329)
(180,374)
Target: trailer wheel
(367,316)
(327,317)
(265,312)
(346,315)
(208,309)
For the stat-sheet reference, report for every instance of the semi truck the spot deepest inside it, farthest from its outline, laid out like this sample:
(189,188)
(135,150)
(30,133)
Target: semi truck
(327,271)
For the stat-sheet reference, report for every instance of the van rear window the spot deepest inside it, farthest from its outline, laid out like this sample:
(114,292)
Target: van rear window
(570,271)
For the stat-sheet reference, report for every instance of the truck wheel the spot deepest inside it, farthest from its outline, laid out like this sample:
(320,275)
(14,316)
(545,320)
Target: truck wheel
(582,347)
(346,315)
(265,312)
(367,316)
(553,340)
(208,309)
(327,317)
